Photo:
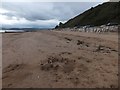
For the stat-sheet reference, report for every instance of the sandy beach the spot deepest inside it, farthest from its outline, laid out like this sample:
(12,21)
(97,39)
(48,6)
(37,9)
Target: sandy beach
(59,59)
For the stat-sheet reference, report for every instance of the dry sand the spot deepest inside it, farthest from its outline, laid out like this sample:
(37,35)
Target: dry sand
(60,59)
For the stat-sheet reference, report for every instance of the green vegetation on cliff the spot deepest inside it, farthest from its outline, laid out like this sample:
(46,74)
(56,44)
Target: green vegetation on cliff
(108,12)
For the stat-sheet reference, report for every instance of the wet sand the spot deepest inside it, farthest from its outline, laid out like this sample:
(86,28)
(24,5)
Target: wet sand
(60,59)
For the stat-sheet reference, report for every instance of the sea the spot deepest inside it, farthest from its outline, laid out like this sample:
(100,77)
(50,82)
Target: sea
(26,30)
(2,31)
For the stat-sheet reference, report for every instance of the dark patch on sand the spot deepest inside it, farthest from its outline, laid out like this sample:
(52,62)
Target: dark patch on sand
(68,39)
(58,63)
(104,49)
(70,69)
(12,67)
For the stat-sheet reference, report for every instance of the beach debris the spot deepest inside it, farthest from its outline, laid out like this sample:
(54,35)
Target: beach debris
(38,77)
(68,39)
(103,49)
(69,53)
(58,63)
(80,42)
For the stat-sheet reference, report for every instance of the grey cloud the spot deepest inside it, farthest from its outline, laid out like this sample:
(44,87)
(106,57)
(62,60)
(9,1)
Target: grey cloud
(45,11)
(33,11)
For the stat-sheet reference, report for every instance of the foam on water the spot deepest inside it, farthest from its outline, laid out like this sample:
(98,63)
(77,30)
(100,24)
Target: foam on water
(11,30)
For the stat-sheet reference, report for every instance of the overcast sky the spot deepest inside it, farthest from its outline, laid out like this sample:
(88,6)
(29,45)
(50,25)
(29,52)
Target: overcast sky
(40,15)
